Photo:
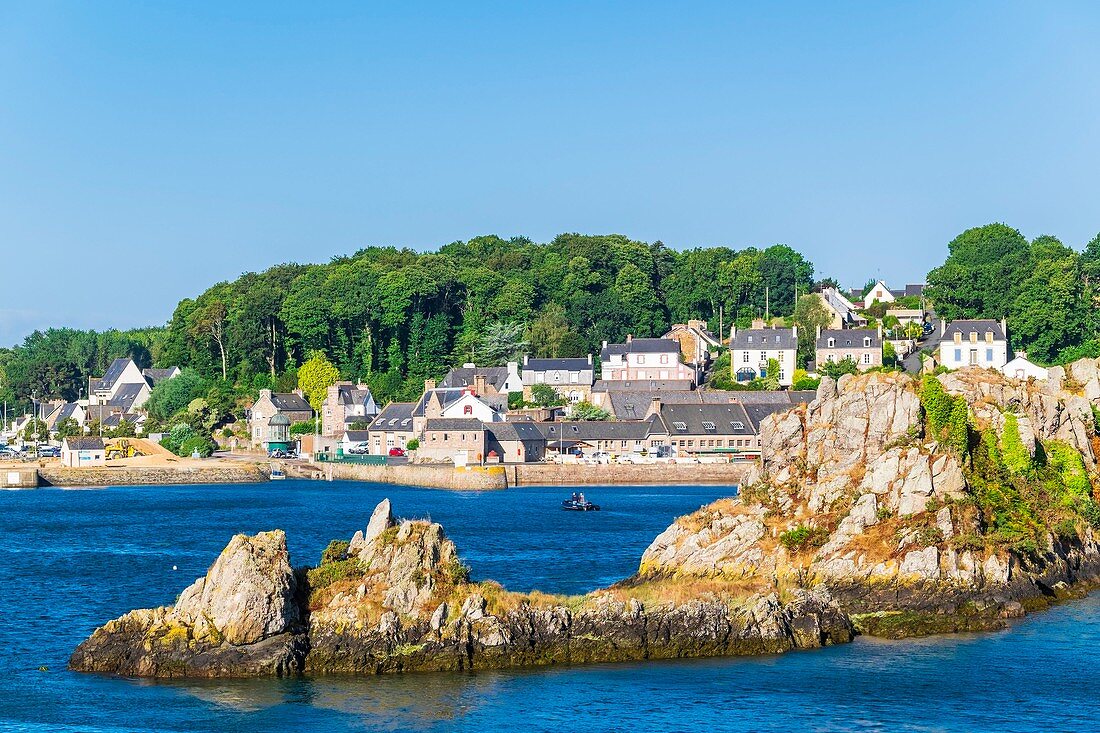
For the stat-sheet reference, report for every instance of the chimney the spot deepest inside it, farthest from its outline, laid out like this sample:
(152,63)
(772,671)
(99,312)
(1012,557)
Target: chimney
(1004,328)
(880,330)
(819,331)
(629,337)
(1021,354)
(590,358)
(654,407)
(429,385)
(525,358)
(758,323)
(479,384)
(943,327)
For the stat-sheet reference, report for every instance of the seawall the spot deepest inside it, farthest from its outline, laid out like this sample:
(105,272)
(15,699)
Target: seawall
(147,475)
(531,474)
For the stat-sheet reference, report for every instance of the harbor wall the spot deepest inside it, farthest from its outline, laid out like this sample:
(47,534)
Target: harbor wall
(237,473)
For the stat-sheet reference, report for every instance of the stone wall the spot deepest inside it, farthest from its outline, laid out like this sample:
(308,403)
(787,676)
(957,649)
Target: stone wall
(18,477)
(550,474)
(434,476)
(148,475)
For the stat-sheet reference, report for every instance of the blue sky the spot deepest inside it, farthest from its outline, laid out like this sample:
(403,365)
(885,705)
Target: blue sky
(148,150)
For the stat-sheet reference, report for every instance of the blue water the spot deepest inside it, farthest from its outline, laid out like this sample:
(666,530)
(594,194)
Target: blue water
(70,560)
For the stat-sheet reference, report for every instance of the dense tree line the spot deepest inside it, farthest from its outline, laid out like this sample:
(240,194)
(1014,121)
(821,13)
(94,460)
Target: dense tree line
(394,317)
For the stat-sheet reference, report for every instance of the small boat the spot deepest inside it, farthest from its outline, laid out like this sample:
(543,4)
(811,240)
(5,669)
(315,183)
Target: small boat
(577,503)
(277,473)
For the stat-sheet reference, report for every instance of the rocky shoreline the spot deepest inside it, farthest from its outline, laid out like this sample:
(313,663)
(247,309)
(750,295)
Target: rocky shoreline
(888,506)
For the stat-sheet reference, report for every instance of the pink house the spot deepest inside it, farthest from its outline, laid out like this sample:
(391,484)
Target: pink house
(644,359)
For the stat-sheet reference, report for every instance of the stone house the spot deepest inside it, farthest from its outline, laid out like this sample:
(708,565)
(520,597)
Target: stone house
(982,343)
(346,404)
(613,437)
(642,359)
(572,378)
(460,403)
(291,405)
(862,346)
(461,440)
(697,344)
(515,442)
(842,311)
(752,348)
(392,428)
(708,429)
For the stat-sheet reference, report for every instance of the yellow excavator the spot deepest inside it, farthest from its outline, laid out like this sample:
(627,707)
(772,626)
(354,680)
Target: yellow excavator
(122,449)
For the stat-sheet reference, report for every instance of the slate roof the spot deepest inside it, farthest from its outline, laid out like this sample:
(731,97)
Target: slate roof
(126,395)
(767,338)
(449,395)
(585,430)
(633,405)
(848,338)
(118,366)
(65,411)
(290,402)
(729,419)
(358,436)
(981,327)
(641,346)
(85,443)
(454,423)
(112,421)
(515,431)
(566,365)
(347,394)
(153,377)
(756,413)
(394,416)
(464,377)
(635,385)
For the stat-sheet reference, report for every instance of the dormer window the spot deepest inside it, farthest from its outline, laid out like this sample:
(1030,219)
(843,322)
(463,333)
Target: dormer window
(750,338)
(681,426)
(958,337)
(866,341)
(973,337)
(989,337)
(832,342)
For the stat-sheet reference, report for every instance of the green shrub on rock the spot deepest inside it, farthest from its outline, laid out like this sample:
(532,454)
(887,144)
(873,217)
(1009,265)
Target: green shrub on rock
(803,538)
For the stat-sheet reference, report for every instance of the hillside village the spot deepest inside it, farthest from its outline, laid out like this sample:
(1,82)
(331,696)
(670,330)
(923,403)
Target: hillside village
(690,395)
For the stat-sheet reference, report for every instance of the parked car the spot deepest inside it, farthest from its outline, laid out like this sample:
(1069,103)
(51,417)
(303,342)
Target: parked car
(397,451)
(598,457)
(49,451)
(7,452)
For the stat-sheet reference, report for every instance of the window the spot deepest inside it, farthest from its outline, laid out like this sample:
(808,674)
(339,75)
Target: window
(750,338)
(691,443)
(641,358)
(958,337)
(745,357)
(682,426)
(958,355)
(973,337)
(832,342)
(973,357)
(866,341)
(575,428)
(989,355)
(737,425)
(468,410)
(866,358)
(540,377)
(708,425)
(664,358)
(574,377)
(989,337)
(763,357)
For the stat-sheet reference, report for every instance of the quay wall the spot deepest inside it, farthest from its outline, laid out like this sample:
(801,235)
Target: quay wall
(239,473)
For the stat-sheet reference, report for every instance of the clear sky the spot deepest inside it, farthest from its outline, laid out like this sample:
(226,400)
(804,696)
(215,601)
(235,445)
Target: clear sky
(148,150)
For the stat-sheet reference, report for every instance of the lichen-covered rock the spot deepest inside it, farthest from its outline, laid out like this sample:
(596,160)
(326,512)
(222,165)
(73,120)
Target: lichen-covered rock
(242,619)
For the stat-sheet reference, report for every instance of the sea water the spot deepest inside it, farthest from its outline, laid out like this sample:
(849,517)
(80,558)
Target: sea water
(72,559)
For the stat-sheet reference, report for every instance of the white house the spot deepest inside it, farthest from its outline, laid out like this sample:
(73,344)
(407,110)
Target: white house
(752,348)
(86,451)
(981,343)
(1021,368)
(878,292)
(643,359)
(485,380)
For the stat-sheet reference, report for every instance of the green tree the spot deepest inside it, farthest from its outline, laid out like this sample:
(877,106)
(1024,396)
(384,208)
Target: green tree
(976,280)
(172,396)
(810,314)
(502,342)
(315,377)
(585,410)
(544,395)
(837,369)
(68,428)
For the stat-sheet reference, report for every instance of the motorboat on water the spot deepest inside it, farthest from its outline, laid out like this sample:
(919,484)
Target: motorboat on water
(577,503)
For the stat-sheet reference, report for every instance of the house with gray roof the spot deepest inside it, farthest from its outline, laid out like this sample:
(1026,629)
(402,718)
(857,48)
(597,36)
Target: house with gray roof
(861,346)
(291,405)
(643,359)
(615,437)
(752,348)
(393,427)
(346,404)
(82,451)
(973,343)
(515,442)
(462,441)
(155,376)
(485,381)
(696,429)
(572,378)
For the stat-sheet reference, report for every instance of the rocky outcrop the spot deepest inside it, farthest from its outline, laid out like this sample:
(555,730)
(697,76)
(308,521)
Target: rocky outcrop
(400,599)
(243,618)
(855,497)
